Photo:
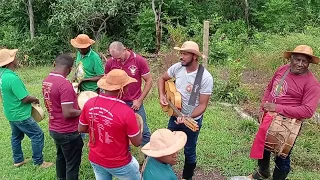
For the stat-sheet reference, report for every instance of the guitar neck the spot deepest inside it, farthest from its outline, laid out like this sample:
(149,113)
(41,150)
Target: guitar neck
(175,109)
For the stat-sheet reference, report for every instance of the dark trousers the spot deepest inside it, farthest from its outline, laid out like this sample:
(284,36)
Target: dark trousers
(69,151)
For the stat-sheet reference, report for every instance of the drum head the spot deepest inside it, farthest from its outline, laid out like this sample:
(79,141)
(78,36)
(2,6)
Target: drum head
(37,112)
(140,122)
(84,97)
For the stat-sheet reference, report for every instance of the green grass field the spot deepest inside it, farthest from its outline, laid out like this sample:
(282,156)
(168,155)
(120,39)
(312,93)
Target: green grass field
(223,146)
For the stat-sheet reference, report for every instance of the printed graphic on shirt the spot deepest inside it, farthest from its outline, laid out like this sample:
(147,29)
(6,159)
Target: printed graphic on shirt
(99,113)
(133,69)
(80,74)
(46,93)
(189,88)
(283,89)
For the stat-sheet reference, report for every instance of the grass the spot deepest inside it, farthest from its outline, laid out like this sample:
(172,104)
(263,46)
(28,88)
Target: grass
(223,146)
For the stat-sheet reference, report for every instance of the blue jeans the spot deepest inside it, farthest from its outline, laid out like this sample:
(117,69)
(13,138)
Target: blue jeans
(34,132)
(192,138)
(146,132)
(127,172)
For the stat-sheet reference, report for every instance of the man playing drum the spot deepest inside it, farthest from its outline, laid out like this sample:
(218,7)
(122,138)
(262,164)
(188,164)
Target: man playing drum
(185,74)
(111,124)
(293,92)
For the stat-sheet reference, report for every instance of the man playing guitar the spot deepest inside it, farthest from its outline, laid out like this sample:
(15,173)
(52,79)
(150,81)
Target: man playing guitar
(185,73)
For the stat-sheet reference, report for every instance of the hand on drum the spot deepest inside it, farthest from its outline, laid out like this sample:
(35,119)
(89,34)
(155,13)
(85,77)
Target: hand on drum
(271,107)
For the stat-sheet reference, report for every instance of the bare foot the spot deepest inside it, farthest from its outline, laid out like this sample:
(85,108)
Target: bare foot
(46,164)
(21,163)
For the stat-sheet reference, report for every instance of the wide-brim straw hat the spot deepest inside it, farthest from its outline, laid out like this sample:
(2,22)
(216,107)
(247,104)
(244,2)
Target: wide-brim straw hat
(37,112)
(84,96)
(7,56)
(116,79)
(82,41)
(164,142)
(302,49)
(191,47)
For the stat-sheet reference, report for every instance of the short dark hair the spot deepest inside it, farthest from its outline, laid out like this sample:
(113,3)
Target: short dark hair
(64,60)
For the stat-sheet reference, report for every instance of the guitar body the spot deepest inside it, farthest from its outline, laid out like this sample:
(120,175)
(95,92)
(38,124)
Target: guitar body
(173,96)
(174,105)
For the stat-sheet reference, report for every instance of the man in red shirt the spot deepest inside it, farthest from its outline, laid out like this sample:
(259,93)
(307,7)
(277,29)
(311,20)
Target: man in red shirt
(293,92)
(136,67)
(111,124)
(61,102)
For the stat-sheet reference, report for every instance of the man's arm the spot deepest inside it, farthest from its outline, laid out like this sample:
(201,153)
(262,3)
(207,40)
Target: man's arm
(83,128)
(148,84)
(165,77)
(96,78)
(68,111)
(203,103)
(307,108)
(30,99)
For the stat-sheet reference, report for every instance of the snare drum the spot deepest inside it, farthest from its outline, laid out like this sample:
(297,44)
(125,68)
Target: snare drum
(84,96)
(281,135)
(37,112)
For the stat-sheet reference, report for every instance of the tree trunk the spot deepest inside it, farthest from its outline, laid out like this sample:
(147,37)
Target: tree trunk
(157,20)
(246,13)
(31,19)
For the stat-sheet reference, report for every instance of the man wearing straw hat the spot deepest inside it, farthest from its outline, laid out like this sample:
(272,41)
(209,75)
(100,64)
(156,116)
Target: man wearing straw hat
(162,152)
(111,124)
(195,85)
(89,68)
(17,109)
(136,67)
(61,103)
(293,92)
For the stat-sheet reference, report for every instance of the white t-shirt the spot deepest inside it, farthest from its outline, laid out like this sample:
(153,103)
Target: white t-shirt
(184,83)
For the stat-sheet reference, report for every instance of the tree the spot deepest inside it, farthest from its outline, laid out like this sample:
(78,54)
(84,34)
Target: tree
(31,18)
(157,20)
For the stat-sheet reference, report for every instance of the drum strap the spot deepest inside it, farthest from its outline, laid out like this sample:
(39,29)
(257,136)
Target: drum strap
(281,82)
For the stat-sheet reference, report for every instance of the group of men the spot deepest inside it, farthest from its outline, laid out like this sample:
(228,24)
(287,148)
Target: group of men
(110,119)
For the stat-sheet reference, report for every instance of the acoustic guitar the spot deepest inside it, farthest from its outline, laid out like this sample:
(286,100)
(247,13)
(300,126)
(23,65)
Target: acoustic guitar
(174,105)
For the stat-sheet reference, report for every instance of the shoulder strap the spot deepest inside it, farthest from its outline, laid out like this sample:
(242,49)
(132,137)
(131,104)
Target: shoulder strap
(196,86)
(281,82)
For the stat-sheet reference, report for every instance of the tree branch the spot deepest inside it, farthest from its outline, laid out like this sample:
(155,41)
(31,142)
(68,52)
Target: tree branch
(154,11)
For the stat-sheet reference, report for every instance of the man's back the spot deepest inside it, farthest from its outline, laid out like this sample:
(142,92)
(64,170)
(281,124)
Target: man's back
(57,90)
(114,122)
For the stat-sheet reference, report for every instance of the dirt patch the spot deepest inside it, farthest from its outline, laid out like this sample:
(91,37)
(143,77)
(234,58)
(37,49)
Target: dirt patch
(202,175)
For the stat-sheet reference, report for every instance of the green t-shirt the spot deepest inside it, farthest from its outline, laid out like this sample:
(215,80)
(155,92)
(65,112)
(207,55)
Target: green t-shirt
(156,170)
(88,66)
(12,92)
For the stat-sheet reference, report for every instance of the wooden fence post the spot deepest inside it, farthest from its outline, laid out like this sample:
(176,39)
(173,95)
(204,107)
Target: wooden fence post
(205,43)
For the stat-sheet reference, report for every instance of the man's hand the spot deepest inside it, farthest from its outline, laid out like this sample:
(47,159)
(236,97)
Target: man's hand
(271,107)
(163,100)
(36,101)
(180,120)
(136,104)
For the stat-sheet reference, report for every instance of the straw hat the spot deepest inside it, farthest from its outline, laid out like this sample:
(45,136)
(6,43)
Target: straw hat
(164,142)
(37,112)
(302,49)
(116,79)
(7,56)
(82,41)
(191,47)
(84,96)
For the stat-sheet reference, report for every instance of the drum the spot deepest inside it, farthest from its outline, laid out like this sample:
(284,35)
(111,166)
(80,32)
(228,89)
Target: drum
(140,124)
(84,96)
(281,135)
(37,112)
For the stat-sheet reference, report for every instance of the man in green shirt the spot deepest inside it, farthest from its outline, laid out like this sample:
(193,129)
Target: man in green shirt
(17,109)
(162,152)
(89,68)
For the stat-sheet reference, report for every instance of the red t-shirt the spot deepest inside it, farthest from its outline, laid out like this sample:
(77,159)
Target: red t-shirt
(136,67)
(114,123)
(57,90)
(299,95)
